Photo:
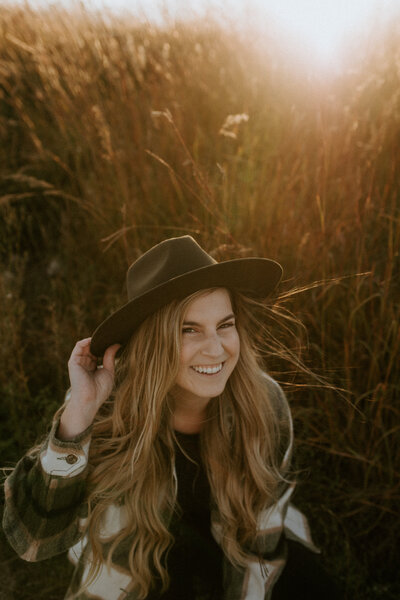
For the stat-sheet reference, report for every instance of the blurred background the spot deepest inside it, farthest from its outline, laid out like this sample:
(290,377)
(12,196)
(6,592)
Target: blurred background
(260,128)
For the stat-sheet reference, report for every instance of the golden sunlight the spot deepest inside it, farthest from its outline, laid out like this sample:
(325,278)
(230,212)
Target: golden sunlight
(319,30)
(325,29)
(320,33)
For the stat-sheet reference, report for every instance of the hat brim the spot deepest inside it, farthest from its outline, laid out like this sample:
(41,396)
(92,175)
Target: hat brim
(256,277)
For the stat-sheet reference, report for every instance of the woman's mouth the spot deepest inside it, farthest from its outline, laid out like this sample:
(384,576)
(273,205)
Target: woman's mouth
(208,369)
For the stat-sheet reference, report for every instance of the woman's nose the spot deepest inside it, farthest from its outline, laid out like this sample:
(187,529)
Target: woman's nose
(212,345)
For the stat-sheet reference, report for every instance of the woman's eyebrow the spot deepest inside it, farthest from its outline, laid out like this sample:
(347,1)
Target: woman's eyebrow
(194,324)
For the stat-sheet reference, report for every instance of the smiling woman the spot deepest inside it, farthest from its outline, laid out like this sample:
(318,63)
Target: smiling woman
(167,475)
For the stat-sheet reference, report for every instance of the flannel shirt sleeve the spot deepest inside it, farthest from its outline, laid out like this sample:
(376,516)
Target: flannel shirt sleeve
(282,516)
(45,498)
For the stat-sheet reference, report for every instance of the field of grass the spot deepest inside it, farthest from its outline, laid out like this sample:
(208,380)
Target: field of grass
(115,135)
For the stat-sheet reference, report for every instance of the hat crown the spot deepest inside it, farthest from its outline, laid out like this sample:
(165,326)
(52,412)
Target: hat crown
(165,261)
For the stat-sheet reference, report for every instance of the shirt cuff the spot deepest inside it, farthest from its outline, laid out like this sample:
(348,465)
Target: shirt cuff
(65,458)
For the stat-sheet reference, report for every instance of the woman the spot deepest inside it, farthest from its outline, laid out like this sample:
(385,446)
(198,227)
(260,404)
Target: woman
(166,472)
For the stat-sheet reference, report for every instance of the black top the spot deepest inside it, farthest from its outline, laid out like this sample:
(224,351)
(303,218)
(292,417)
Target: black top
(195,560)
(193,486)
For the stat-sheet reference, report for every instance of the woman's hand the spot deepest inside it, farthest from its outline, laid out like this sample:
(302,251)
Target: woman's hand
(90,387)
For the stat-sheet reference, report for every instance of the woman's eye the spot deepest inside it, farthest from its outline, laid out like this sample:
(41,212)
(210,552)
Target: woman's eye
(222,326)
(188,330)
(229,324)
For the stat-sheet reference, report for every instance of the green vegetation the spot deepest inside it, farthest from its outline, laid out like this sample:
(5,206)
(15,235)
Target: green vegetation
(116,135)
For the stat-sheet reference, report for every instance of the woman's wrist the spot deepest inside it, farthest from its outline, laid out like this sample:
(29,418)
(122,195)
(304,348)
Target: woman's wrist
(73,422)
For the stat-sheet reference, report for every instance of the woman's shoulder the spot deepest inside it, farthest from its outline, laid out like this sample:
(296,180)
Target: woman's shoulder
(276,396)
(281,407)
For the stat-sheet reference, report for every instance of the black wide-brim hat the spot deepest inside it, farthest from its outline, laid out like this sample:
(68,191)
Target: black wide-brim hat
(174,269)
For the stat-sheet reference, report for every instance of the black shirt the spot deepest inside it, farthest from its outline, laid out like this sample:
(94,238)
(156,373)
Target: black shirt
(195,560)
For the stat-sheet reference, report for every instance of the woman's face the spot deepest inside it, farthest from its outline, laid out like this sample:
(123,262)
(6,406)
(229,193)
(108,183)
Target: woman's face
(209,350)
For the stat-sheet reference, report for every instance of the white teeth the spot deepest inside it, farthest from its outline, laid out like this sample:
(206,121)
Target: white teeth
(208,370)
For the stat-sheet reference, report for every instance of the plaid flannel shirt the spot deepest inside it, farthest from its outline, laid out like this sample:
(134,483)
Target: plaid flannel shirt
(46,510)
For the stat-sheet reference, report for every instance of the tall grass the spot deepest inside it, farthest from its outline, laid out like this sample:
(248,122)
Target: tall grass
(117,134)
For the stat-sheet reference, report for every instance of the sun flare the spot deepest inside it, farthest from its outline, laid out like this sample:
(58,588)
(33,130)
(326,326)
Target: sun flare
(325,30)
(320,32)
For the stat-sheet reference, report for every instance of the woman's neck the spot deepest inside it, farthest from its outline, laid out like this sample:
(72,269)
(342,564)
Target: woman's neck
(187,424)
(189,419)
(189,413)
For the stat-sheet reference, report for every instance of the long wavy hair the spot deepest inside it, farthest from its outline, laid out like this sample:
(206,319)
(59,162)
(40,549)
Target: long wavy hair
(132,450)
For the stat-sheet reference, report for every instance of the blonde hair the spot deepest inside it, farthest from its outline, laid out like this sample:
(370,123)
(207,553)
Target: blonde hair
(132,451)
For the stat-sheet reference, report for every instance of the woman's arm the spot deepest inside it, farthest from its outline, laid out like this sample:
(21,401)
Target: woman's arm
(45,494)
(45,498)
